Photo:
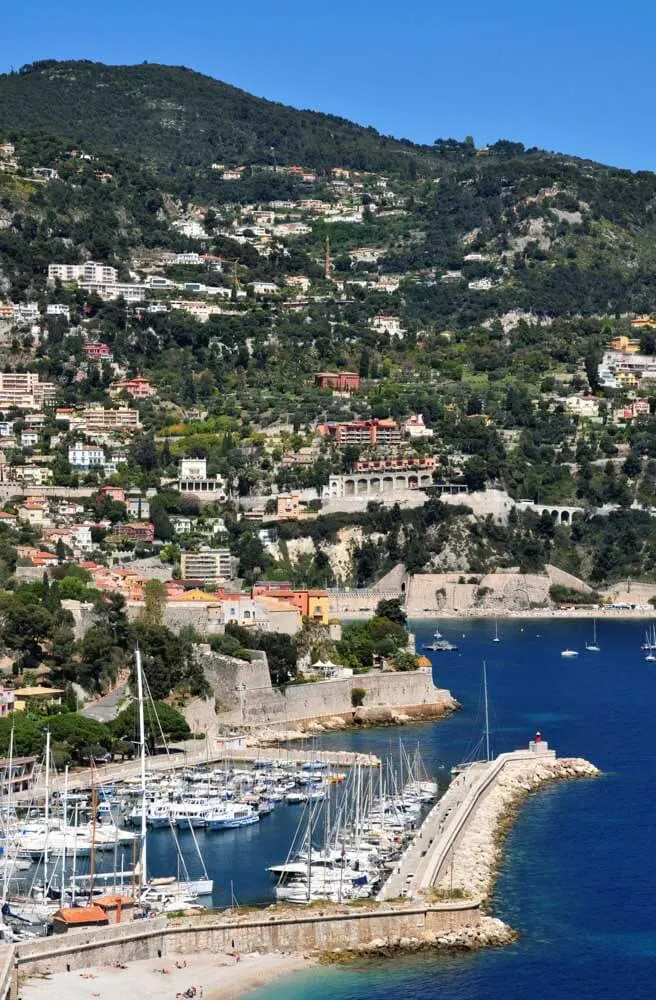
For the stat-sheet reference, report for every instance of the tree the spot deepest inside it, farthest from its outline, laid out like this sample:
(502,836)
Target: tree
(81,736)
(160,720)
(155,596)
(392,609)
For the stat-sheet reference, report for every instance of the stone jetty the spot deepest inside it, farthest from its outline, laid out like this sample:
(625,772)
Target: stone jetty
(472,865)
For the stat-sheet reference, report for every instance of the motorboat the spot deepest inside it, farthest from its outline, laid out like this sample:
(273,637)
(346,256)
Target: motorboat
(569,652)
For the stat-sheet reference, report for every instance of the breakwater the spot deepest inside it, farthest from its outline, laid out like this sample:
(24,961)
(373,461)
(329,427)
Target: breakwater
(455,851)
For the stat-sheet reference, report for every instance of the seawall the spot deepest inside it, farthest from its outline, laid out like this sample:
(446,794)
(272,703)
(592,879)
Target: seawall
(333,929)
(242,695)
(410,694)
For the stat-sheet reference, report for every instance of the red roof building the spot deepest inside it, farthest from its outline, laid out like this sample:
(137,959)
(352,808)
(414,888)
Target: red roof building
(341,381)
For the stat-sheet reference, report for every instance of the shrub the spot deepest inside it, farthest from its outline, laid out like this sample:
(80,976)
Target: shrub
(357,697)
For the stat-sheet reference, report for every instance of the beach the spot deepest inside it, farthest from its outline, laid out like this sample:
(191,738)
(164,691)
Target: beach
(215,977)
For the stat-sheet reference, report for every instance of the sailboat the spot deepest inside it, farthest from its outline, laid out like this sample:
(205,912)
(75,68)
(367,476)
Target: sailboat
(198,887)
(496,631)
(593,647)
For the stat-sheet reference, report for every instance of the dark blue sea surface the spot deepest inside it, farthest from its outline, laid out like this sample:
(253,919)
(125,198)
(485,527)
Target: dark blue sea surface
(579,878)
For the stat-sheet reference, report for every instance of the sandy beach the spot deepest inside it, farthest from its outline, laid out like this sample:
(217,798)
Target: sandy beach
(215,977)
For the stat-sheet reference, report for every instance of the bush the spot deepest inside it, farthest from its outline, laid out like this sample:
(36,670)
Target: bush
(357,697)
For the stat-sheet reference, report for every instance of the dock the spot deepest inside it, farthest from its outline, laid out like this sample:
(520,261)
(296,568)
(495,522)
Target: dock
(109,774)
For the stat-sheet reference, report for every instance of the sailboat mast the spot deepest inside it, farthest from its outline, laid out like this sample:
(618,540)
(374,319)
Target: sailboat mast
(487,717)
(142,752)
(10,784)
(46,814)
(65,830)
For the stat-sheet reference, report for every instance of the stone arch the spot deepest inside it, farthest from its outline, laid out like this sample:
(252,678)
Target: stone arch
(362,486)
(400,482)
(374,485)
(413,482)
(564,517)
(425,480)
(388,484)
(555,515)
(349,487)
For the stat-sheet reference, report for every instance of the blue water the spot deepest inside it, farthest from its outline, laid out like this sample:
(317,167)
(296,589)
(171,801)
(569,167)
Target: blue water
(579,881)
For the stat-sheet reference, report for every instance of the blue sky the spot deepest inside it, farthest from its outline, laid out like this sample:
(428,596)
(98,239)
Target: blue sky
(568,75)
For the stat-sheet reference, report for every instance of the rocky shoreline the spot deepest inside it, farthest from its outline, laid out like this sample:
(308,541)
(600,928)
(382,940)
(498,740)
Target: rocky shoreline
(490,932)
(359,718)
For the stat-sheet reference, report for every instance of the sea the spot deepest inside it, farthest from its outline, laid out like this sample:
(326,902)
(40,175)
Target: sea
(578,880)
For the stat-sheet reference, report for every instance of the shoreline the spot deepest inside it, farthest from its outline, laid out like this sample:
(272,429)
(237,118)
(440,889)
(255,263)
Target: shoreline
(539,614)
(215,977)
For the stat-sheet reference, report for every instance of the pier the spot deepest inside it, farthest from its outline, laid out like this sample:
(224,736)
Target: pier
(220,753)
(427,863)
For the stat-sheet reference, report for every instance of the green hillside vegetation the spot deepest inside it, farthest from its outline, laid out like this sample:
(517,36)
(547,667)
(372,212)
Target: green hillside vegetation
(174,118)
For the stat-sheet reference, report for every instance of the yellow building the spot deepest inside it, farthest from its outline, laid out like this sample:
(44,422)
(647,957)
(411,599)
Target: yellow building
(640,322)
(36,697)
(627,380)
(623,343)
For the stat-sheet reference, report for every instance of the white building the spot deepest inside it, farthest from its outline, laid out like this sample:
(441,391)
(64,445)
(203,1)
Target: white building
(209,565)
(83,457)
(583,406)
(28,439)
(388,324)
(115,290)
(26,312)
(415,427)
(192,478)
(58,309)
(91,271)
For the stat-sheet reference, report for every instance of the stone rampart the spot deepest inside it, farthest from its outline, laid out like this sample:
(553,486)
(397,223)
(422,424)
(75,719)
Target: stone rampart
(412,692)
(263,932)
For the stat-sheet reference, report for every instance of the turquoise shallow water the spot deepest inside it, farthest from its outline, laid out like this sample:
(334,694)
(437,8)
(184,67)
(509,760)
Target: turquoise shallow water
(579,879)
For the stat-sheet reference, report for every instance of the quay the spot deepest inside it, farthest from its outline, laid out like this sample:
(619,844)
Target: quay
(466,811)
(220,752)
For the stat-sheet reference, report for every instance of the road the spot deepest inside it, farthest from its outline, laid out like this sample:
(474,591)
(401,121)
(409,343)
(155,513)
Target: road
(407,876)
(107,708)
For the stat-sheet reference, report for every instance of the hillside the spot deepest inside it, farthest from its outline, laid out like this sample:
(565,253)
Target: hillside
(172,118)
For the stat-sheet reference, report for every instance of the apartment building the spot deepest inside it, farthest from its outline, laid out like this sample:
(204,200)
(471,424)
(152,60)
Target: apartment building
(96,419)
(115,290)
(363,432)
(211,566)
(89,272)
(24,390)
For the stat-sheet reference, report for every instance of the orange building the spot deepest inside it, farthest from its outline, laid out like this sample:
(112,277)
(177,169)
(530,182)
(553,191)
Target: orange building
(312,604)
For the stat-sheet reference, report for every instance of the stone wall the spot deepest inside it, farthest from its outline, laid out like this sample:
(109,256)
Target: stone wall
(298,932)
(411,693)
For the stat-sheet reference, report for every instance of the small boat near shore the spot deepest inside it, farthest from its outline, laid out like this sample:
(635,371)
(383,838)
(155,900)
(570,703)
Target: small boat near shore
(439,644)
(569,652)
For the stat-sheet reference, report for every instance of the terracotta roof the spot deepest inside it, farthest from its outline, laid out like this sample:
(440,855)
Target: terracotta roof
(114,900)
(81,915)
